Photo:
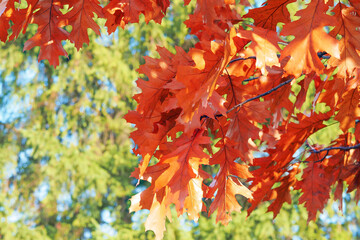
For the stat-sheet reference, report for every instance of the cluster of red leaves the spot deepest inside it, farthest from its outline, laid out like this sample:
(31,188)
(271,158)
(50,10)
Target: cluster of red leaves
(52,17)
(230,94)
(234,87)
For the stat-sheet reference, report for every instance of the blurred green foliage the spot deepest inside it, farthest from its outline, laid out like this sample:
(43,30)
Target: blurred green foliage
(66,152)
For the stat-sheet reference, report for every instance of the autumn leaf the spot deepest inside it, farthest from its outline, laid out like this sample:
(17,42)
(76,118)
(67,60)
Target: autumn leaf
(81,18)
(281,194)
(6,11)
(349,46)
(122,12)
(176,178)
(240,89)
(264,45)
(270,14)
(310,38)
(50,33)
(349,109)
(315,187)
(212,18)
(200,80)
(226,183)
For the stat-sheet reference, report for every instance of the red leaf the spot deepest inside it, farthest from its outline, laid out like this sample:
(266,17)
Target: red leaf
(348,28)
(315,185)
(310,38)
(270,14)
(81,18)
(349,109)
(226,183)
(50,33)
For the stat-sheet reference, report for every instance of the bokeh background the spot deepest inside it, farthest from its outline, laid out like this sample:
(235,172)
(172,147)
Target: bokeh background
(66,154)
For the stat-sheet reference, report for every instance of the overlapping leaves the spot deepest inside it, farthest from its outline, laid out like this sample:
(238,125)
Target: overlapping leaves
(231,95)
(236,86)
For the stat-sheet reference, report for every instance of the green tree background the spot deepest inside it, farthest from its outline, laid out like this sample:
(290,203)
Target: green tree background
(66,153)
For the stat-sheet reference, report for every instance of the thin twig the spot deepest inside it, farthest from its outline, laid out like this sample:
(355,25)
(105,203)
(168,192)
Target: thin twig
(320,55)
(322,159)
(242,59)
(328,149)
(344,148)
(261,95)
(250,79)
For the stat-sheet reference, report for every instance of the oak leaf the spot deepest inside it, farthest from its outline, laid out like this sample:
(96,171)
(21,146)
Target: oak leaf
(50,33)
(310,38)
(349,46)
(270,14)
(81,18)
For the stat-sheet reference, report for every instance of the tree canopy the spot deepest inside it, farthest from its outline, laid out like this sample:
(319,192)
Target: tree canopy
(254,103)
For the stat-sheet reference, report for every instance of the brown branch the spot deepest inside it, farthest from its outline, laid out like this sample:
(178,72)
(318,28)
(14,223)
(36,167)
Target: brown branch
(250,79)
(320,55)
(328,149)
(261,95)
(343,148)
(242,59)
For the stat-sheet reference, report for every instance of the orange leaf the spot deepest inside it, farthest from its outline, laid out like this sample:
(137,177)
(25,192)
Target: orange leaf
(81,18)
(50,33)
(225,184)
(264,45)
(315,186)
(349,45)
(310,38)
(349,109)
(176,178)
(270,14)
(200,80)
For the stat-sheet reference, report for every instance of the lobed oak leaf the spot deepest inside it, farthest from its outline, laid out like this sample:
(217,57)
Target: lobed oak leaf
(226,183)
(242,131)
(184,158)
(315,185)
(50,32)
(149,137)
(303,51)
(81,18)
(270,14)
(349,46)
(211,19)
(264,45)
(200,80)
(349,109)
(122,12)
(176,178)
(155,202)
(156,113)
(310,38)
(299,132)
(22,18)
(6,12)
(282,193)
(273,167)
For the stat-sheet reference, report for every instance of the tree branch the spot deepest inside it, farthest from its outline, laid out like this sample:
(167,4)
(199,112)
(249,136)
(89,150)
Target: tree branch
(250,79)
(328,149)
(242,59)
(261,95)
(343,148)
(320,55)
